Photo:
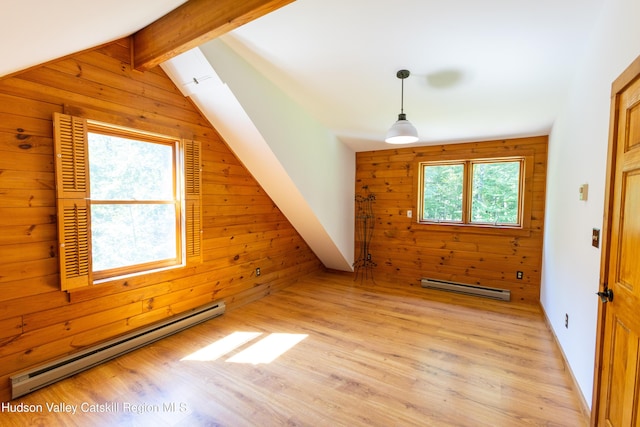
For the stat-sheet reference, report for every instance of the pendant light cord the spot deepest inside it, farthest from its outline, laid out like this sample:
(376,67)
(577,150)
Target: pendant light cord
(401,96)
(402,74)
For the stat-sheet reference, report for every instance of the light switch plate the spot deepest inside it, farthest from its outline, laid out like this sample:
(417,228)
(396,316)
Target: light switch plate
(595,238)
(584,192)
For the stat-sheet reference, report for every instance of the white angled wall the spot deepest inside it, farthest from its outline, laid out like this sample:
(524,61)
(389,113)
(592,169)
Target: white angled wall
(302,166)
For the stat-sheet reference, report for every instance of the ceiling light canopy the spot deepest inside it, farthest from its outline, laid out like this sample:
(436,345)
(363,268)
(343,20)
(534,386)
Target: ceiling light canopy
(402,131)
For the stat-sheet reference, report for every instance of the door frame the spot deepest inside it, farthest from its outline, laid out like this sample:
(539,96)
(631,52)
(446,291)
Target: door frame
(629,75)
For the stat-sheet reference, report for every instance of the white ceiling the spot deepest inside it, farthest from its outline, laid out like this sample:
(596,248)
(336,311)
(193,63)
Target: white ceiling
(479,69)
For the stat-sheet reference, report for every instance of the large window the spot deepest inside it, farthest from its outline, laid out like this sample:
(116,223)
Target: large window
(128,201)
(135,205)
(482,192)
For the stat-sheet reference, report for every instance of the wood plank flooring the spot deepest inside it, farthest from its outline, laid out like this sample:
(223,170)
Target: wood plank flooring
(361,354)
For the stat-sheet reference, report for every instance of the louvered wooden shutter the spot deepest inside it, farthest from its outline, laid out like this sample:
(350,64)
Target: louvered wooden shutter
(72,193)
(193,200)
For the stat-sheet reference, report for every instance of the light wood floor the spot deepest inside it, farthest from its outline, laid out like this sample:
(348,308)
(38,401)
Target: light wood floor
(368,355)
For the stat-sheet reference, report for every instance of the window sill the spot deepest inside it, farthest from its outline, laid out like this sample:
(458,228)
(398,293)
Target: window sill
(121,277)
(475,229)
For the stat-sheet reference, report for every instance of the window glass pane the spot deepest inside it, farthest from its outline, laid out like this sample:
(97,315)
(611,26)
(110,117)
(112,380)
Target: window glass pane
(494,196)
(128,234)
(442,193)
(125,169)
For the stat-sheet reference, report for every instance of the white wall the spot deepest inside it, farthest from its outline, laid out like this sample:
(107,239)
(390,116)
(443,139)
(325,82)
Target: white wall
(577,155)
(303,167)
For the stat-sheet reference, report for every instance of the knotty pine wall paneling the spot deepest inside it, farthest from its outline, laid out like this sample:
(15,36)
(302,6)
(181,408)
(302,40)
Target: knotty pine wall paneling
(243,229)
(406,251)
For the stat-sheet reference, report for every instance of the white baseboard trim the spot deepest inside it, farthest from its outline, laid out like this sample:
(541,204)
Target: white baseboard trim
(586,411)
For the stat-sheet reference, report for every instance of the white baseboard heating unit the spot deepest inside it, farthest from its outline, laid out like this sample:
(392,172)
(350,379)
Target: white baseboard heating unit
(41,376)
(462,288)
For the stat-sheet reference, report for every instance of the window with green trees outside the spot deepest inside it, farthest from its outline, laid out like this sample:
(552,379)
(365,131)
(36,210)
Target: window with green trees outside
(484,192)
(135,202)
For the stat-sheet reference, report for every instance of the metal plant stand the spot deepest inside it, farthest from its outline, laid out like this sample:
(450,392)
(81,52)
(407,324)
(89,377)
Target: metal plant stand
(365,221)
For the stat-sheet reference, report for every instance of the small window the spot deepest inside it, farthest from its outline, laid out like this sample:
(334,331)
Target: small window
(495,193)
(485,192)
(442,201)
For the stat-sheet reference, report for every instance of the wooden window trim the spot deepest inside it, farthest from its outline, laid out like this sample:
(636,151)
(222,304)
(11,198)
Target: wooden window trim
(147,138)
(465,180)
(471,164)
(525,194)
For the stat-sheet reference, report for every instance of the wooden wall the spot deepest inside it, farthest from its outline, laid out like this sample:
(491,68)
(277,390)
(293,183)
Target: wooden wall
(406,251)
(242,227)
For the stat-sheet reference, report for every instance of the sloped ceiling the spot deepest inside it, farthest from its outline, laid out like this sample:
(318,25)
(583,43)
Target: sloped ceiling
(36,31)
(479,70)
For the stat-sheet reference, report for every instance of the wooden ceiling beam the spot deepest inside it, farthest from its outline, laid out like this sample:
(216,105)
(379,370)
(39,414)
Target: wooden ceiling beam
(193,24)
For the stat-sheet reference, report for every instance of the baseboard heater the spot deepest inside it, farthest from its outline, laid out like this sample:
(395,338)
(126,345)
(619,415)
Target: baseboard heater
(41,376)
(462,288)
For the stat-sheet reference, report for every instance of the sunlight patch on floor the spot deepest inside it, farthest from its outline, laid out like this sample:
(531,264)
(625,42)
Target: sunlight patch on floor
(222,346)
(266,350)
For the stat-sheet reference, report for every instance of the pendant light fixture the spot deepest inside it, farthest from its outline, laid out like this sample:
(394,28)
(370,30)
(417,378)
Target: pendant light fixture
(402,131)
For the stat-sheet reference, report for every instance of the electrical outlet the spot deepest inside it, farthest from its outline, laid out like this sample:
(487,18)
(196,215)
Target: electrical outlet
(519,275)
(258,271)
(566,320)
